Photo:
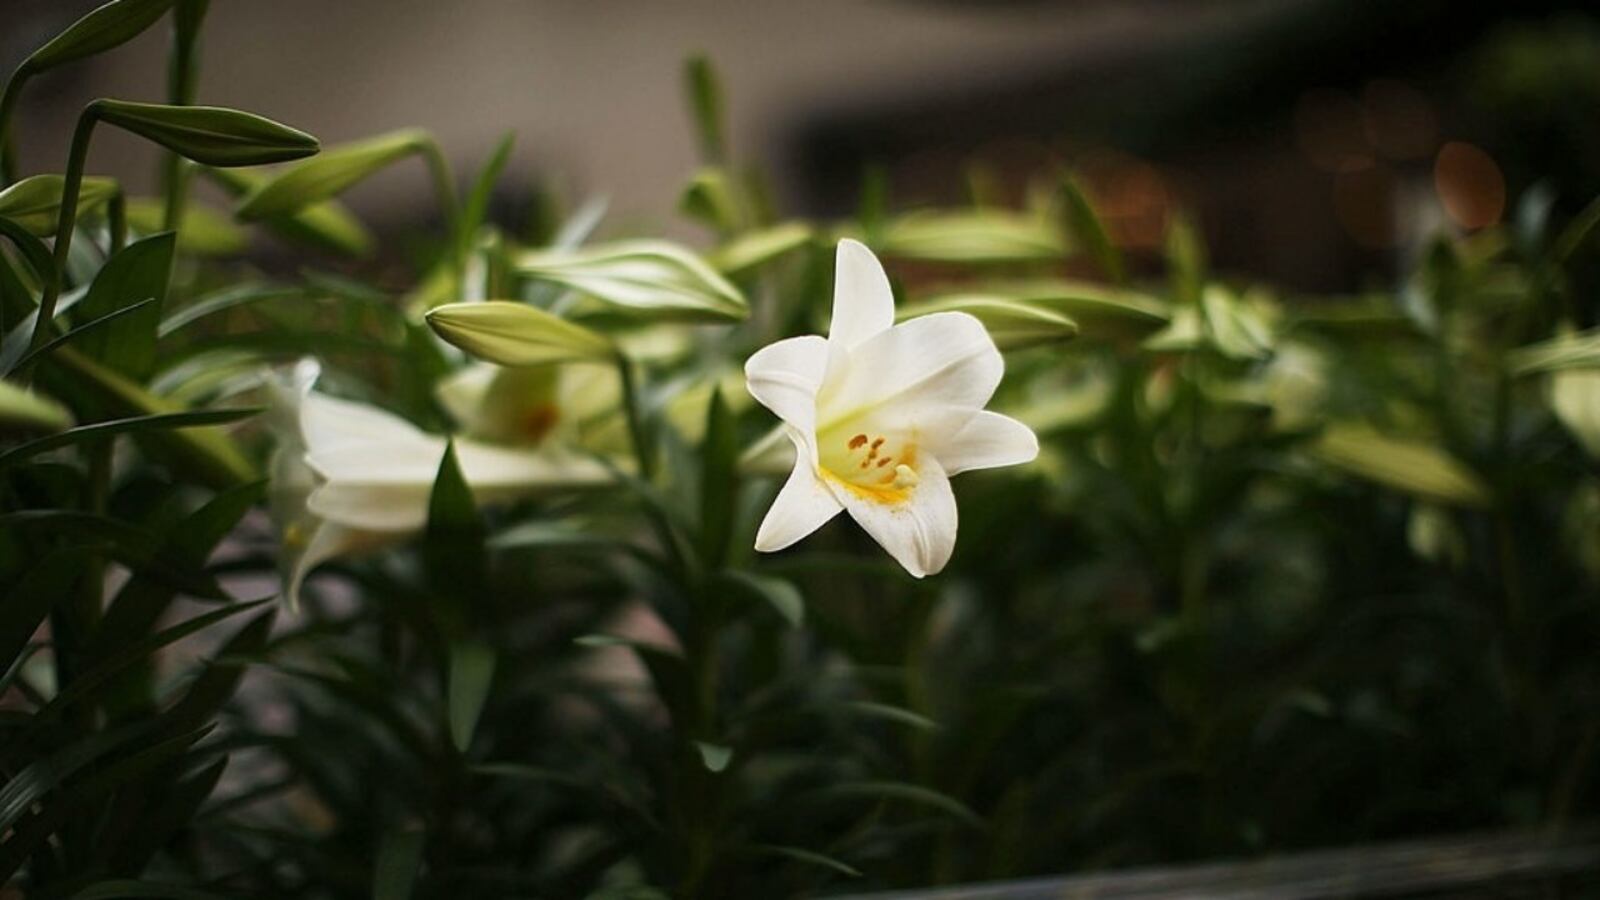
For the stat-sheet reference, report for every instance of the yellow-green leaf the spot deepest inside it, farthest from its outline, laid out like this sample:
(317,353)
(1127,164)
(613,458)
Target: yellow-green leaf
(651,279)
(328,174)
(1409,465)
(986,236)
(1014,324)
(757,248)
(35,201)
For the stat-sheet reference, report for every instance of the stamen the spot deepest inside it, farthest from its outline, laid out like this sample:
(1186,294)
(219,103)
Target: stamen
(885,461)
(877,443)
(857,441)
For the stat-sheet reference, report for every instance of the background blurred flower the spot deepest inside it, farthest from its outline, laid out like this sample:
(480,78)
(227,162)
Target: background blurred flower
(347,477)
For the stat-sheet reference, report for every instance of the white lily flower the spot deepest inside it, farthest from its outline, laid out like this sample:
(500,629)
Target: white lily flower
(348,478)
(880,416)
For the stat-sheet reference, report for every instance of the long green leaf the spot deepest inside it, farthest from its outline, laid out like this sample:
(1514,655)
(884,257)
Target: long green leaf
(192,419)
(328,174)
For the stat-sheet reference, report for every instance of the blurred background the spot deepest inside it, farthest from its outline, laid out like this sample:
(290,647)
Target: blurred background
(1316,141)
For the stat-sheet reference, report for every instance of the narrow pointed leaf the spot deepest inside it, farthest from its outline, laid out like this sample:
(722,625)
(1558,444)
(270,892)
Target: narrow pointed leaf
(328,174)
(1084,225)
(326,226)
(705,105)
(190,419)
(754,249)
(472,666)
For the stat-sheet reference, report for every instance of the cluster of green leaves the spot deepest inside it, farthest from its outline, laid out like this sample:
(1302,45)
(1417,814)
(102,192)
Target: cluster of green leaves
(1286,573)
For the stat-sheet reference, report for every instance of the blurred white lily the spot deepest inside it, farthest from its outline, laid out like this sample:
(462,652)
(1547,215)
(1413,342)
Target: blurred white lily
(347,477)
(880,416)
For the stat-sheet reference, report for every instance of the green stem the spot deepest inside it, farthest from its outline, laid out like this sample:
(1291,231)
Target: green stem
(181,86)
(8,105)
(636,427)
(67,220)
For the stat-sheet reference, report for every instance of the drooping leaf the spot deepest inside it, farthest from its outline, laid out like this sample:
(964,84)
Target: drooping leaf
(211,135)
(516,334)
(328,174)
(650,279)
(35,202)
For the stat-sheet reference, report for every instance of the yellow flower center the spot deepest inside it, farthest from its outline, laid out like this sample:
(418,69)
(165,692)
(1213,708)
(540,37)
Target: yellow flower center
(881,467)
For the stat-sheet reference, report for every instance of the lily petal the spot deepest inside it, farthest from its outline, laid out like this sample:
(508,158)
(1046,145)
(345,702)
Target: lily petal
(987,440)
(939,360)
(804,505)
(863,302)
(920,532)
(784,378)
(327,423)
(326,542)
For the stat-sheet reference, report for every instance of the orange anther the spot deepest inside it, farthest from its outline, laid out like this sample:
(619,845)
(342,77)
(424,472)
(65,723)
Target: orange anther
(857,441)
(884,462)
